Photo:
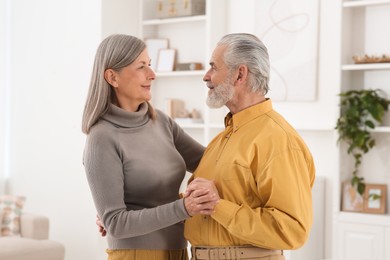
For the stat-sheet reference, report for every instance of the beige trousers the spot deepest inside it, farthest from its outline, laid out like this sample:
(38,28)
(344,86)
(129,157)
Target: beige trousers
(136,254)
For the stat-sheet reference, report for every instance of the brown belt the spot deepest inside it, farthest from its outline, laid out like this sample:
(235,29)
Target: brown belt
(232,252)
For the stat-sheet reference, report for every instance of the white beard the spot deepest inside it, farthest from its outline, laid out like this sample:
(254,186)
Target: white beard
(219,95)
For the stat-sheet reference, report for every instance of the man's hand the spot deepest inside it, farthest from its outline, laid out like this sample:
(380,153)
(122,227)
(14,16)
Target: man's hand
(201,197)
(99,223)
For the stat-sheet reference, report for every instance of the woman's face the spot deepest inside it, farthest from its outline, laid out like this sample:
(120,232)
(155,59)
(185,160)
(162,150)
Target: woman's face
(133,83)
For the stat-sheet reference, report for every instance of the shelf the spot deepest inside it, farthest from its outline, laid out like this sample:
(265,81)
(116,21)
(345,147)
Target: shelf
(368,66)
(186,19)
(381,129)
(181,73)
(363,32)
(364,218)
(365,3)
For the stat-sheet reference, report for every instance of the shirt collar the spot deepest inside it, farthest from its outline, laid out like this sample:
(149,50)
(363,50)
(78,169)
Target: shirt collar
(248,114)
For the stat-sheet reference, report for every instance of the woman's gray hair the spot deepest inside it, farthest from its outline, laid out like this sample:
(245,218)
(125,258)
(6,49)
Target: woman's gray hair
(114,52)
(247,49)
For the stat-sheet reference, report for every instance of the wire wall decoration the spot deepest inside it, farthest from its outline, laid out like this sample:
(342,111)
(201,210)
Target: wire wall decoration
(289,29)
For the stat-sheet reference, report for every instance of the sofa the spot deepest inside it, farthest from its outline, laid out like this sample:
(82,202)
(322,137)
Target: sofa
(33,243)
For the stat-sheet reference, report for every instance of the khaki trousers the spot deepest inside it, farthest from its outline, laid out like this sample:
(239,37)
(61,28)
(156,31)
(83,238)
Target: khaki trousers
(136,254)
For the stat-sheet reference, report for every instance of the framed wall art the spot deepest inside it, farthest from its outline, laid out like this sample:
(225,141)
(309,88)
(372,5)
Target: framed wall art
(154,46)
(375,198)
(166,60)
(290,30)
(351,199)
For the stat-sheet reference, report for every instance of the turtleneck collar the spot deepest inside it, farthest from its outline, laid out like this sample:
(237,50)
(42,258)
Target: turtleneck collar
(126,119)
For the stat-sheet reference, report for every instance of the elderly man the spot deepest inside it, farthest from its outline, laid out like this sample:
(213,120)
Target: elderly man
(258,168)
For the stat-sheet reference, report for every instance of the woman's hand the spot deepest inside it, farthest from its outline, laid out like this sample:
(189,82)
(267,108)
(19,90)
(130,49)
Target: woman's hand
(201,197)
(99,223)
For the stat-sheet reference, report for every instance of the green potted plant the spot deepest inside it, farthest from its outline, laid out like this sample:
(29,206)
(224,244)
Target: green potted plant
(360,112)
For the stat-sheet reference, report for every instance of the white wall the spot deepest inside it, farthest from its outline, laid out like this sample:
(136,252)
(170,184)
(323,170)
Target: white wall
(53,44)
(120,16)
(3,21)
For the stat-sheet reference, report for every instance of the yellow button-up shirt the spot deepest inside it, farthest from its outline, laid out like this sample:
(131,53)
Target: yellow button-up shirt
(264,173)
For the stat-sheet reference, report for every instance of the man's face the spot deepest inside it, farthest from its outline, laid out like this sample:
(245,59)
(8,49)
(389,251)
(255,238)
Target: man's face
(218,80)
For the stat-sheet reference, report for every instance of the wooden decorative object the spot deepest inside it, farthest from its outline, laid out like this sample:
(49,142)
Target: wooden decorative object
(375,198)
(351,199)
(371,59)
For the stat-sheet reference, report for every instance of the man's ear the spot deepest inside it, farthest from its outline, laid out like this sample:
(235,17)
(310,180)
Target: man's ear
(110,77)
(242,74)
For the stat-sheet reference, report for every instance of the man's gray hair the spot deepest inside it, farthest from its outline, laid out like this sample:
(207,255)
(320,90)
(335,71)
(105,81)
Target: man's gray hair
(247,49)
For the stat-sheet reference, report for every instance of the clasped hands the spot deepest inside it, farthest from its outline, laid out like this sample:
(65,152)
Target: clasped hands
(200,197)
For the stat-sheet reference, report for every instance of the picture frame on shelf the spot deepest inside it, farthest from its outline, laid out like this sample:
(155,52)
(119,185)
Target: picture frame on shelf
(375,198)
(166,60)
(154,46)
(351,199)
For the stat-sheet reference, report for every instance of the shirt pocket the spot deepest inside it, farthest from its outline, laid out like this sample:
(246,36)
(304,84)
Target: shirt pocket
(236,182)
(234,171)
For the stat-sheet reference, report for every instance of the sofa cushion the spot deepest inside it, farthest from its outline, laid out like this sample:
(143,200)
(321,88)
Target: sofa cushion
(17,248)
(11,207)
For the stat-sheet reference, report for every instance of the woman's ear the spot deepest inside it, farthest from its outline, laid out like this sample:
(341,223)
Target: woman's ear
(110,77)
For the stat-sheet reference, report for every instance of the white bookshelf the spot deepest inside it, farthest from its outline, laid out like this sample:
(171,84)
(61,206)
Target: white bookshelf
(364,32)
(188,86)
